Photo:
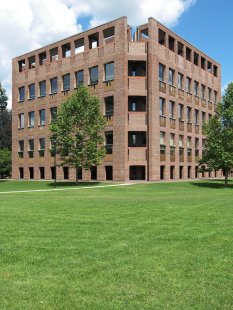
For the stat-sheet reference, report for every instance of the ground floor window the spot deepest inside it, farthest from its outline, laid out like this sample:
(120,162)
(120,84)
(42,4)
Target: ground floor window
(137,173)
(109,173)
(172,172)
(181,172)
(162,170)
(21,173)
(42,174)
(31,172)
(79,174)
(189,172)
(66,173)
(94,173)
(53,172)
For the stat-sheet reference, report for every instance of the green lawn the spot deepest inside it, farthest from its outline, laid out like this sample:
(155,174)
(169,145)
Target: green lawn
(148,246)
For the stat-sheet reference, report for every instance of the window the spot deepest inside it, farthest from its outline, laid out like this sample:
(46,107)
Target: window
(181,139)
(172,139)
(161,106)
(42,117)
(42,86)
(196,143)
(109,33)
(209,66)
(215,97)
(188,54)
(53,85)
(21,148)
(196,59)
(196,117)
(93,75)
(42,58)
(171,43)
(31,148)
(162,138)
(162,37)
(79,46)
(180,81)
(189,110)
(66,50)
(161,72)
(42,172)
(196,88)
(188,85)
(109,106)
(94,40)
(21,173)
(22,94)
(109,71)
(215,71)
(172,109)
(203,63)
(31,62)
(209,94)
(189,142)
(31,91)
(31,172)
(203,118)
(66,82)
(108,142)
(22,66)
(180,49)
(171,77)
(203,91)
(21,121)
(79,77)
(54,54)
(41,147)
(53,114)
(31,119)
(181,111)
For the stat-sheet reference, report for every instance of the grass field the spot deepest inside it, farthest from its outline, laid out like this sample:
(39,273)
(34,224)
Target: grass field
(145,246)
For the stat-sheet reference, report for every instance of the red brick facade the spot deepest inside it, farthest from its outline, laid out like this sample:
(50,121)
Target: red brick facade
(139,150)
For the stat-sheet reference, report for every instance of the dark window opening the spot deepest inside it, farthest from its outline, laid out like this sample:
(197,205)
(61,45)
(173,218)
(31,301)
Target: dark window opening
(162,37)
(31,62)
(172,172)
(66,50)
(109,106)
(109,142)
(53,114)
(215,71)
(93,40)
(181,172)
(42,173)
(31,173)
(137,104)
(161,72)
(79,77)
(53,85)
(136,139)
(137,68)
(42,86)
(93,75)
(196,59)
(42,58)
(109,71)
(22,93)
(53,172)
(188,54)
(66,173)
(109,34)
(79,174)
(54,54)
(180,49)
(189,172)
(209,66)
(94,173)
(21,173)
(162,170)
(42,117)
(66,82)
(32,91)
(145,33)
(109,173)
(79,46)
(171,43)
(137,173)
(203,63)
(21,64)
(196,172)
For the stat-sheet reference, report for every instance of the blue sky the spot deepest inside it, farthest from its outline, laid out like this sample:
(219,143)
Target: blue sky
(204,23)
(208,25)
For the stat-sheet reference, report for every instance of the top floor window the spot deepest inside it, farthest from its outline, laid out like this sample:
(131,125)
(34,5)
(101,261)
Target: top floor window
(94,40)
(161,72)
(22,65)
(79,46)
(54,54)
(42,58)
(109,34)
(109,71)
(66,51)
(32,91)
(31,62)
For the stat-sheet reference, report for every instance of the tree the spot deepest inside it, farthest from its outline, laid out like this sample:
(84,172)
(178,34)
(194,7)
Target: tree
(218,149)
(5,121)
(77,131)
(5,163)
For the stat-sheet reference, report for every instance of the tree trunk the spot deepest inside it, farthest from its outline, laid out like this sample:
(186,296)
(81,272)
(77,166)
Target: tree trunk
(76,180)
(226,178)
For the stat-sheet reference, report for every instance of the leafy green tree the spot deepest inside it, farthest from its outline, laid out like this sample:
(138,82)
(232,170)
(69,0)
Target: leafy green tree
(5,163)
(218,149)
(77,131)
(5,121)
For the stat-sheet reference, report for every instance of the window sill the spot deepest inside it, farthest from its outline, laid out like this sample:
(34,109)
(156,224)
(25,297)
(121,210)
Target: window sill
(52,94)
(110,80)
(42,96)
(21,101)
(30,99)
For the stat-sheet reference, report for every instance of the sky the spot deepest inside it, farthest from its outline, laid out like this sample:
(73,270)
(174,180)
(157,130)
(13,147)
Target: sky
(29,24)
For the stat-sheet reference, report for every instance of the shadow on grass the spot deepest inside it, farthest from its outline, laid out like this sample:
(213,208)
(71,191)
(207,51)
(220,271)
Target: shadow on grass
(73,184)
(216,184)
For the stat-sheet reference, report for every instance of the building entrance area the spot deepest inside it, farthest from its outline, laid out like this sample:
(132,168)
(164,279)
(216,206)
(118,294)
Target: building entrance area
(137,173)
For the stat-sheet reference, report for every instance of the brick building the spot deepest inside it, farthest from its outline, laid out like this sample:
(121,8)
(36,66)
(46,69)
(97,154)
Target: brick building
(156,90)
